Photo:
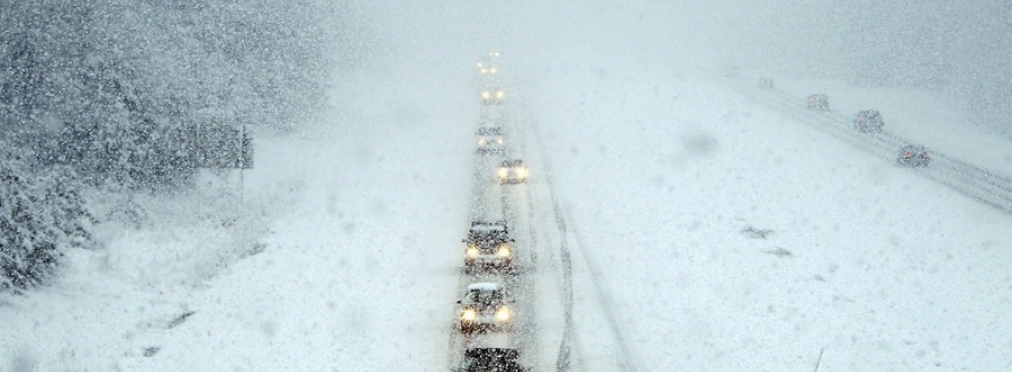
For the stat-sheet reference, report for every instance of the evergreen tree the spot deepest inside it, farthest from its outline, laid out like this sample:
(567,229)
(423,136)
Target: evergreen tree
(41,216)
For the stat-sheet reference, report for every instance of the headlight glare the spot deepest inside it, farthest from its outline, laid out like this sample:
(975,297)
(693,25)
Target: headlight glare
(469,315)
(503,314)
(503,251)
(472,252)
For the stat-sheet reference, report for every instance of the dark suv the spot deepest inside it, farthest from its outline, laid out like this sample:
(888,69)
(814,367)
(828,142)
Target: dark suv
(869,121)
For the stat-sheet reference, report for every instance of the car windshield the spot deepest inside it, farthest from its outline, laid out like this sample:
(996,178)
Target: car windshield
(483,296)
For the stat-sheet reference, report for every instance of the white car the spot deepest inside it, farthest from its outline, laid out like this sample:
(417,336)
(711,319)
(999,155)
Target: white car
(488,246)
(512,172)
(491,140)
(484,307)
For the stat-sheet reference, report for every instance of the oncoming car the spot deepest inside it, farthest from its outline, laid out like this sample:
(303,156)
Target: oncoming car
(491,359)
(484,307)
(488,245)
(869,121)
(512,172)
(491,140)
(819,102)
(492,96)
(913,156)
(488,64)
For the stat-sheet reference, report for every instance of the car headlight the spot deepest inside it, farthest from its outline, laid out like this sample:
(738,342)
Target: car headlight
(500,94)
(493,70)
(472,252)
(484,70)
(503,251)
(500,141)
(480,65)
(503,314)
(482,142)
(522,172)
(503,172)
(486,94)
(469,315)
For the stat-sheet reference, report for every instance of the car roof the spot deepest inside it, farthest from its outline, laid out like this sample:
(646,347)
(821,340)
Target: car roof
(506,353)
(488,225)
(490,131)
(484,286)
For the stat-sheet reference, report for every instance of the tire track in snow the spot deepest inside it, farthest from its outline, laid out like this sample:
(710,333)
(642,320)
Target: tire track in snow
(628,360)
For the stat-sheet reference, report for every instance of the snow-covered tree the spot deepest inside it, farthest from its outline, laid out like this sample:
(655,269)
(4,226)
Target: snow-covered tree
(103,93)
(41,215)
(110,86)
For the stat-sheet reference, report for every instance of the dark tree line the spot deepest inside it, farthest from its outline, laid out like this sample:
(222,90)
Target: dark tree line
(100,94)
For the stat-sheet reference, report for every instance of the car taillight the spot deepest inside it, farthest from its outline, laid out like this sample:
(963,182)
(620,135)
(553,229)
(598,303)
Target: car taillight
(907,155)
(927,154)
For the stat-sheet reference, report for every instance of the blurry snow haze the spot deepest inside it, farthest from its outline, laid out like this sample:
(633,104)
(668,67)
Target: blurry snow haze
(960,48)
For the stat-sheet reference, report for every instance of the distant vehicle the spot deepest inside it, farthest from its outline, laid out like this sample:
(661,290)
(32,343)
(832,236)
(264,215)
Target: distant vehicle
(491,140)
(484,307)
(491,360)
(765,83)
(492,96)
(488,246)
(487,68)
(869,121)
(913,156)
(512,172)
(818,102)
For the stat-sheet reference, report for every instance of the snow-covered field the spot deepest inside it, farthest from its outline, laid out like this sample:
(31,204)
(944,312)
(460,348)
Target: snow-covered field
(733,238)
(721,235)
(357,270)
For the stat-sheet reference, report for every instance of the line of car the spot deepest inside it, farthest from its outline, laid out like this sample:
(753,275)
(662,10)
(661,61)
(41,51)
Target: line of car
(489,250)
(866,121)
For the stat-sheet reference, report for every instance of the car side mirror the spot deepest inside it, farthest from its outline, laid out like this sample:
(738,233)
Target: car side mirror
(458,302)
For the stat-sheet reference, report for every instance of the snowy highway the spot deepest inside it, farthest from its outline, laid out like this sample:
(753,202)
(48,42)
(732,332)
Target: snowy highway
(670,219)
(980,184)
(553,314)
